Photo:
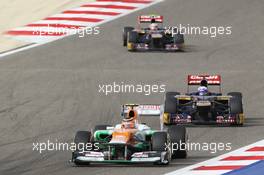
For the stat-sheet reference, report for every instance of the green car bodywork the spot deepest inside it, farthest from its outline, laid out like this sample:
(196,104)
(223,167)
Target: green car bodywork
(103,137)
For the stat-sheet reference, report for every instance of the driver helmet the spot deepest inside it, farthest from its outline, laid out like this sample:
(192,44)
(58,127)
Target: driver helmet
(129,120)
(153,26)
(204,83)
(202,90)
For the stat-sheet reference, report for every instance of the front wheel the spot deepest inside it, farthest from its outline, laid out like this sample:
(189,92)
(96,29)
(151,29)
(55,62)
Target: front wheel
(160,143)
(82,138)
(100,127)
(178,137)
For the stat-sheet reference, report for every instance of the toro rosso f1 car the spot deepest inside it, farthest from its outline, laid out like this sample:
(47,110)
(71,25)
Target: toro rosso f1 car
(130,141)
(203,106)
(153,37)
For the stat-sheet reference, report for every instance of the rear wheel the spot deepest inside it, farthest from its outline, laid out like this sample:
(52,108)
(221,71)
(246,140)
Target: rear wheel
(178,38)
(235,94)
(170,105)
(236,108)
(100,127)
(125,33)
(178,138)
(236,105)
(132,39)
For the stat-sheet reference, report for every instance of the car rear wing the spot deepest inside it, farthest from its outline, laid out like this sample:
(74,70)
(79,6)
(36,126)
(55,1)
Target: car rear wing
(211,79)
(150,19)
(142,109)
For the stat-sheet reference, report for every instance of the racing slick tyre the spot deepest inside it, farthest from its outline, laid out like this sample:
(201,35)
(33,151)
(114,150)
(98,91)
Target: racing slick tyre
(178,137)
(170,105)
(236,108)
(100,127)
(125,32)
(235,94)
(81,139)
(178,38)
(132,38)
(159,140)
(159,143)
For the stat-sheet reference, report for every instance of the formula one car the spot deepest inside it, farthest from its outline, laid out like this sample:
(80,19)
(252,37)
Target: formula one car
(153,37)
(203,106)
(130,141)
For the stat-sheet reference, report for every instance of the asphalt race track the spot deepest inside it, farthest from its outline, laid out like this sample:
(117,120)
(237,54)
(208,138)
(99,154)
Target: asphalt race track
(51,91)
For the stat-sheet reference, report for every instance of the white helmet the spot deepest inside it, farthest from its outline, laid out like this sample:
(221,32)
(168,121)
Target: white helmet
(202,90)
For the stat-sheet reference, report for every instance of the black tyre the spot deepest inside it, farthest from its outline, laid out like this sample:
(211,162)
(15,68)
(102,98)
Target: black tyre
(81,139)
(170,105)
(159,141)
(125,33)
(178,138)
(132,37)
(235,94)
(236,106)
(178,38)
(100,127)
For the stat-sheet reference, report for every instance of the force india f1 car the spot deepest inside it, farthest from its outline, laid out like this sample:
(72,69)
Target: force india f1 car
(203,106)
(153,37)
(130,141)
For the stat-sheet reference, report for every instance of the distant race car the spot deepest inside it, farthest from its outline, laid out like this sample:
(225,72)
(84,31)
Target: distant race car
(152,37)
(130,141)
(203,106)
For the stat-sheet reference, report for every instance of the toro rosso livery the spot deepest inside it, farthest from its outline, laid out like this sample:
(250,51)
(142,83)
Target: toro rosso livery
(152,37)
(130,141)
(203,106)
